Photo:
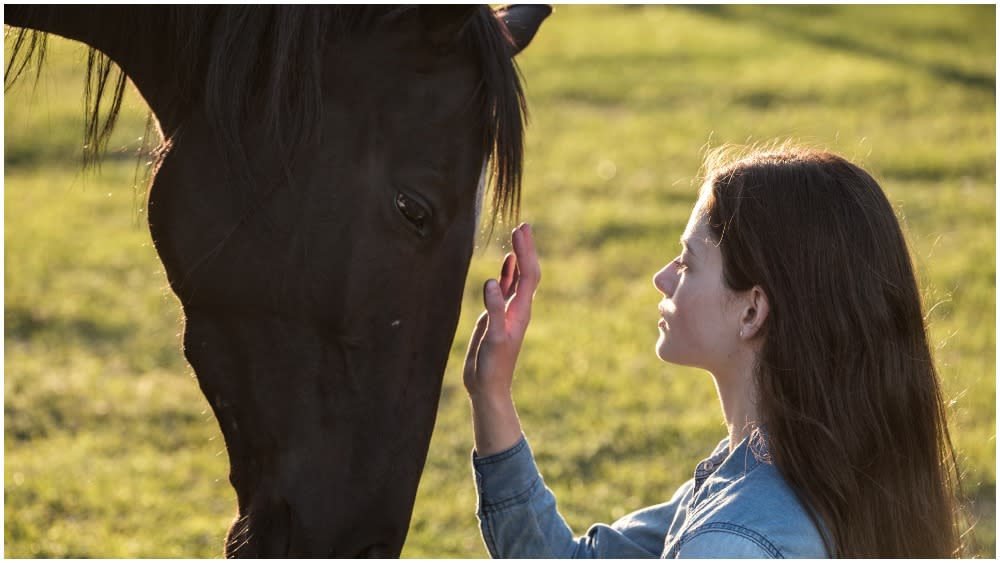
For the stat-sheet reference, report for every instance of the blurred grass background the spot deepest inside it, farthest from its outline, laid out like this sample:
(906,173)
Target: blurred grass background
(111,451)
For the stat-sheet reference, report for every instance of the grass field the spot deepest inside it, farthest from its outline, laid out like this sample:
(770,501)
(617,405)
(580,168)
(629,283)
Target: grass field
(111,451)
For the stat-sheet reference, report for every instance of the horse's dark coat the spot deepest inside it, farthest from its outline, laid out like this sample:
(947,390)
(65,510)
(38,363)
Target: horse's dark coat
(315,210)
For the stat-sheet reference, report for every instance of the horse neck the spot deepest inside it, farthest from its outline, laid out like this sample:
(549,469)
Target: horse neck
(134,37)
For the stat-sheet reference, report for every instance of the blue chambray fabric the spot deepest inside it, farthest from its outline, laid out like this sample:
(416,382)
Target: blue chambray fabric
(736,506)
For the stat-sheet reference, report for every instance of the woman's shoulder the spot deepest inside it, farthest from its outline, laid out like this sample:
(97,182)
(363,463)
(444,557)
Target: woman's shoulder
(746,509)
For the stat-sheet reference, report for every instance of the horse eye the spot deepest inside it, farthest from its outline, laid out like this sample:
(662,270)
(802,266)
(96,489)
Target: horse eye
(413,211)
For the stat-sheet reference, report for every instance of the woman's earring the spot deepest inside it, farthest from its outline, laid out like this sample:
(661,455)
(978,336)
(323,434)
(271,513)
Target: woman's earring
(741,333)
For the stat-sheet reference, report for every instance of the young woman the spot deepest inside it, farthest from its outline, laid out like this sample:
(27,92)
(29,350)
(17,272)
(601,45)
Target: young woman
(796,292)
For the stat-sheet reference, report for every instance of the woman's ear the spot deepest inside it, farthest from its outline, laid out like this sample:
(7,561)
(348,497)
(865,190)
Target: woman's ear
(754,313)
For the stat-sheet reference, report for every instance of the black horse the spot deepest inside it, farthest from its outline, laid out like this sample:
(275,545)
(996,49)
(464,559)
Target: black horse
(314,202)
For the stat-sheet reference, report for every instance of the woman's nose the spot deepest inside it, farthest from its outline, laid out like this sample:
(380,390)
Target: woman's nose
(666,279)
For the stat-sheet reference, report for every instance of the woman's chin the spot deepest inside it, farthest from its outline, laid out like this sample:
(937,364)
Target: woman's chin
(666,351)
(662,348)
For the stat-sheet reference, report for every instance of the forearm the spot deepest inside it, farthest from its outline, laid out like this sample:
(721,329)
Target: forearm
(517,512)
(495,424)
(519,518)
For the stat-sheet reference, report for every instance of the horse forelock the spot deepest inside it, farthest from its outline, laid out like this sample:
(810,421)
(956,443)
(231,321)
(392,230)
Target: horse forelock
(291,37)
(504,112)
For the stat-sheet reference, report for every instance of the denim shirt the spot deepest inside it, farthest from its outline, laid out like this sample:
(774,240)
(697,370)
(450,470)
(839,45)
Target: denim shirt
(736,506)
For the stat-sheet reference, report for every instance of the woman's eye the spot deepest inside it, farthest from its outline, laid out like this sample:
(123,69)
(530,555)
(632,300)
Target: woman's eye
(681,266)
(413,211)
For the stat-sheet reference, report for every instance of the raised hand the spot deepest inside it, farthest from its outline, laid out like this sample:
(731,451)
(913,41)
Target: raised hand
(496,343)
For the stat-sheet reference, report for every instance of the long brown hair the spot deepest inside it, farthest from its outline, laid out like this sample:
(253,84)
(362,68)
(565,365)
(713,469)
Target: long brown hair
(846,387)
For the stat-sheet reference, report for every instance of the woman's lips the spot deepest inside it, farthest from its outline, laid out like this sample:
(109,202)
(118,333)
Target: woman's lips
(663,315)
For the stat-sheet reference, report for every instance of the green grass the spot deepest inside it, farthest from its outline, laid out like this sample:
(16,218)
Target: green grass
(111,450)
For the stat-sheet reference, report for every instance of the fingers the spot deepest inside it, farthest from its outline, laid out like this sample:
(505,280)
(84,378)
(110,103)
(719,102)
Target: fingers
(527,257)
(510,272)
(508,275)
(499,331)
(529,273)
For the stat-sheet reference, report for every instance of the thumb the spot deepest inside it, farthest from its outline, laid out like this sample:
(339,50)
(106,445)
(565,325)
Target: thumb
(474,343)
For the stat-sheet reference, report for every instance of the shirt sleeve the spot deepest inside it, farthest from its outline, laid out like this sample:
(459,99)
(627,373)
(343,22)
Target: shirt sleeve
(518,516)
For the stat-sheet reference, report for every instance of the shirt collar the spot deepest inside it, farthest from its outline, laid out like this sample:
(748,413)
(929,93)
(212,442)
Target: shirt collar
(727,466)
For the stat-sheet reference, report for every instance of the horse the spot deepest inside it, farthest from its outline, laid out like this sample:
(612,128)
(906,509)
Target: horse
(315,201)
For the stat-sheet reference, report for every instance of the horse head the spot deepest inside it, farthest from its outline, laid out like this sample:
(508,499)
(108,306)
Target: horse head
(321,279)
(315,203)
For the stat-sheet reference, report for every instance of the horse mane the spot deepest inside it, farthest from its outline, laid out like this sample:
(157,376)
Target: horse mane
(29,49)
(265,61)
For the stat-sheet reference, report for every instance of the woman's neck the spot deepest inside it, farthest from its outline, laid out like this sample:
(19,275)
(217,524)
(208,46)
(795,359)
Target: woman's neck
(736,393)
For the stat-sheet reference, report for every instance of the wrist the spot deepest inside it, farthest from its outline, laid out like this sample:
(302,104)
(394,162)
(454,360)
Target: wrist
(495,424)
(489,400)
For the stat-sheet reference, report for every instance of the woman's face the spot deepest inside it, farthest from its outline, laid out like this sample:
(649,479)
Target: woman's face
(699,323)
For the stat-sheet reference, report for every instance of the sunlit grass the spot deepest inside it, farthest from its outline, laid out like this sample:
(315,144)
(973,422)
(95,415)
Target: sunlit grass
(111,450)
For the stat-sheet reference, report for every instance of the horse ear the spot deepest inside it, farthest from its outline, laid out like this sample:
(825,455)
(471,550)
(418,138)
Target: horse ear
(444,22)
(523,21)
